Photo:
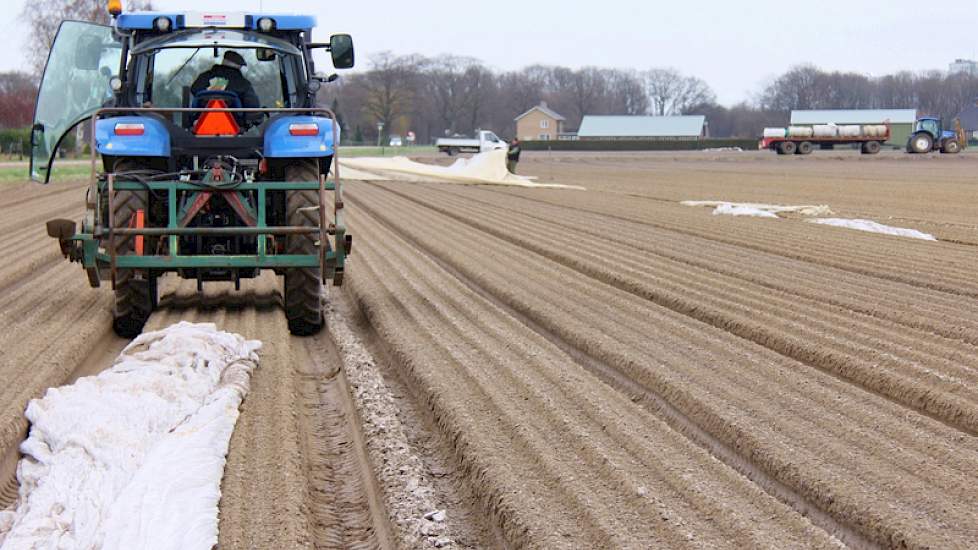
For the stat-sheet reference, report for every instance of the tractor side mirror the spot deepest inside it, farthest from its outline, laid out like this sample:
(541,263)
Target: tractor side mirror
(89,53)
(341,49)
(317,81)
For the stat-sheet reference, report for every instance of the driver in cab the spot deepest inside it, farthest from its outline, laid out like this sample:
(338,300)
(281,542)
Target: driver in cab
(227,77)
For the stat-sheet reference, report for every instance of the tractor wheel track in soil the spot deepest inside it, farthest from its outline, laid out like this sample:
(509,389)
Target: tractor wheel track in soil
(297,474)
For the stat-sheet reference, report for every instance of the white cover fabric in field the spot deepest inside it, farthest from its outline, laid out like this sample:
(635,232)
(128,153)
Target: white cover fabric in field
(875,227)
(803,210)
(133,457)
(487,168)
(732,210)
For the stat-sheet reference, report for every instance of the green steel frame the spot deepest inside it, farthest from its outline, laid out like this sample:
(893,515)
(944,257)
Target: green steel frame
(331,257)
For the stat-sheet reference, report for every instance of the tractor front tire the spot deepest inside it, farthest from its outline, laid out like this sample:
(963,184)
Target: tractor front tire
(135,290)
(920,143)
(951,147)
(303,286)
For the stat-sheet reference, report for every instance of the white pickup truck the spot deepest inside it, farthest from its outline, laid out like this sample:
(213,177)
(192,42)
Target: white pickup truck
(484,141)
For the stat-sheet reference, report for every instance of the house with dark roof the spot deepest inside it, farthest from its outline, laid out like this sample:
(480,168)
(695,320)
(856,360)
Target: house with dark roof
(539,123)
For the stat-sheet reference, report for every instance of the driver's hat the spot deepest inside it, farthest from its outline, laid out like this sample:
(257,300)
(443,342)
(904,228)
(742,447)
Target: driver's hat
(234,60)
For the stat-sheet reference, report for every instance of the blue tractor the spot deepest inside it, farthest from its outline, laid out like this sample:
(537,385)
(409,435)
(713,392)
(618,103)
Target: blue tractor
(929,135)
(212,178)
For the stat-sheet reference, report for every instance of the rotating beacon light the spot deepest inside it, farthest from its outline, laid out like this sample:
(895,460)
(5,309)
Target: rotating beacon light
(115,8)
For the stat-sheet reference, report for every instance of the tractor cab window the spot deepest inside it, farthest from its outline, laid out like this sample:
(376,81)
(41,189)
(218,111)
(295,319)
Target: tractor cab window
(172,73)
(930,126)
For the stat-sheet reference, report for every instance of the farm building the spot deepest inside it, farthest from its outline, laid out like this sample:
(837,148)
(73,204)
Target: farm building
(901,120)
(658,128)
(539,123)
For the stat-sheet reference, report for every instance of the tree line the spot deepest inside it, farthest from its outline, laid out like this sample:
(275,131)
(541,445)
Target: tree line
(451,95)
(448,95)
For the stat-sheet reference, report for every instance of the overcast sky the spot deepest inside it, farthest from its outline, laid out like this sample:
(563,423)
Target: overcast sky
(736,46)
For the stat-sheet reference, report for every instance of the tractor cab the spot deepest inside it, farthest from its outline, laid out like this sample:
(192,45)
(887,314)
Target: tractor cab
(152,60)
(931,125)
(210,155)
(929,134)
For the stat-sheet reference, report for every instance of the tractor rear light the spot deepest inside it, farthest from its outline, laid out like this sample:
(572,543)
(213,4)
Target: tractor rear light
(311,129)
(129,129)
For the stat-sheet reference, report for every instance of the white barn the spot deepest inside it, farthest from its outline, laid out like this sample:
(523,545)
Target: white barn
(680,128)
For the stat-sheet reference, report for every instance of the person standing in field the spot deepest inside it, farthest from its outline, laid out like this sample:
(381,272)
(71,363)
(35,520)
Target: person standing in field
(513,155)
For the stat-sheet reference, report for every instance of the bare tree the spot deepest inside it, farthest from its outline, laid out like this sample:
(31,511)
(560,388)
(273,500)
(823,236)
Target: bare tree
(626,93)
(808,87)
(390,87)
(458,91)
(43,17)
(671,93)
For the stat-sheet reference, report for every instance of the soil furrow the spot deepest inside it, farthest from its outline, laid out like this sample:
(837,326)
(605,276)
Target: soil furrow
(899,366)
(379,317)
(930,311)
(849,251)
(777,459)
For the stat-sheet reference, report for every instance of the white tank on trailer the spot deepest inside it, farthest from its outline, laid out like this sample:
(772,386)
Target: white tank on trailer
(874,130)
(826,130)
(850,130)
(800,131)
(775,132)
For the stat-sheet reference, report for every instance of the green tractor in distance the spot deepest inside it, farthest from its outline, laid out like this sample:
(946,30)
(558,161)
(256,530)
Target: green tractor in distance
(929,135)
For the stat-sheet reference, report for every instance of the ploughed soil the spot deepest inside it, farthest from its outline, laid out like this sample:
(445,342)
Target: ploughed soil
(582,369)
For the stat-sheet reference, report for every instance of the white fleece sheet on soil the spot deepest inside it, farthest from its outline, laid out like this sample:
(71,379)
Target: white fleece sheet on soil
(734,210)
(487,168)
(133,457)
(803,210)
(874,227)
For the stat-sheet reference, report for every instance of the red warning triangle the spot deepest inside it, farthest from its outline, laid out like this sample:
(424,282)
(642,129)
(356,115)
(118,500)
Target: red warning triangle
(216,123)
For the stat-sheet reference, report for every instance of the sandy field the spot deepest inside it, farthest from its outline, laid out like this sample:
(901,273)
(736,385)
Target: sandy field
(605,368)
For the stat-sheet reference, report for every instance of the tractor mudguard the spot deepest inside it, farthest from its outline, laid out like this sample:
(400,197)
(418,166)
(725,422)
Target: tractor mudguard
(121,137)
(281,141)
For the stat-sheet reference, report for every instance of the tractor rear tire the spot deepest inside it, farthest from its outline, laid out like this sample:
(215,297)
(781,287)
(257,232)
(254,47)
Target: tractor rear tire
(303,286)
(920,143)
(951,147)
(135,289)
